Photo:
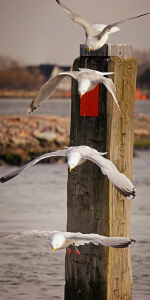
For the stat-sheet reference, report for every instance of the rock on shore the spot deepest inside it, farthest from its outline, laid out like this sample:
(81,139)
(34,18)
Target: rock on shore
(142,131)
(24,137)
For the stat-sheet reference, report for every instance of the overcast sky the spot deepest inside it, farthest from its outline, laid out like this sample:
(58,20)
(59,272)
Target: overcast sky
(39,31)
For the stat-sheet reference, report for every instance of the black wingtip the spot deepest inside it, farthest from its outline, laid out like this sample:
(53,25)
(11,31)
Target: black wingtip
(2,180)
(58,1)
(126,193)
(6,178)
(130,243)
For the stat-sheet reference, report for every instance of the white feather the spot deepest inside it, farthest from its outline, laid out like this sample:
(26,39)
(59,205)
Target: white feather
(100,27)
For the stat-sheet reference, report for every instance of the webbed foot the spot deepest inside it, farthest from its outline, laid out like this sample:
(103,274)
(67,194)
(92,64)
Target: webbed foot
(68,251)
(77,251)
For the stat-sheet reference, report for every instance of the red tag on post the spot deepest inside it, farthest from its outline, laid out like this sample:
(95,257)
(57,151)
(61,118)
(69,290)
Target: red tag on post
(89,103)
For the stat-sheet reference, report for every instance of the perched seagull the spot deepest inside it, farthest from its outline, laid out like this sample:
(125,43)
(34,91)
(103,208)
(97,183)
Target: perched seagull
(78,155)
(87,81)
(61,240)
(96,34)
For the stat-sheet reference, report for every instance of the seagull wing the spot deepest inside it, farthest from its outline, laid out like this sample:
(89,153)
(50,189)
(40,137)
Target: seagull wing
(122,184)
(13,174)
(89,70)
(109,85)
(100,27)
(108,28)
(47,89)
(119,180)
(96,239)
(89,29)
(32,233)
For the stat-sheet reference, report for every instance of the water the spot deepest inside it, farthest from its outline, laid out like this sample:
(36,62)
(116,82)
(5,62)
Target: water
(54,107)
(28,268)
(50,107)
(140,226)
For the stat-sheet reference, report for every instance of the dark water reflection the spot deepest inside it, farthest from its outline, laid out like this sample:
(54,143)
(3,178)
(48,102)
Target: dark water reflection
(28,268)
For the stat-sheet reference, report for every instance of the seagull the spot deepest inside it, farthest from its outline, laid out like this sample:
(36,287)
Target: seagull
(61,240)
(96,34)
(87,81)
(78,155)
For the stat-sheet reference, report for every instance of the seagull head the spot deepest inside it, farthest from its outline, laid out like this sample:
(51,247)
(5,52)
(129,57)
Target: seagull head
(91,43)
(57,242)
(74,159)
(83,85)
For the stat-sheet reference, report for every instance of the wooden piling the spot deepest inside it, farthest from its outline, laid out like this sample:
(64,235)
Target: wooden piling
(93,204)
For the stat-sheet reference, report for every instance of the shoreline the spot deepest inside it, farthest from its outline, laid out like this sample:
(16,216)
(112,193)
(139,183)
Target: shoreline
(31,94)
(24,137)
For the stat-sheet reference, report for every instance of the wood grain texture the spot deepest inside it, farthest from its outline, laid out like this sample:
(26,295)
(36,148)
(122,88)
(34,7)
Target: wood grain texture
(93,204)
(121,50)
(120,137)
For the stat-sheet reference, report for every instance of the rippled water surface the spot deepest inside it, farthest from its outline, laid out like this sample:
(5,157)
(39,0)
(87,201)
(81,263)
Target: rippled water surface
(28,268)
(37,200)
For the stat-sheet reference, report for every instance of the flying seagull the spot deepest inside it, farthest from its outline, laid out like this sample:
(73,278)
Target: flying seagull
(76,156)
(96,34)
(61,240)
(87,81)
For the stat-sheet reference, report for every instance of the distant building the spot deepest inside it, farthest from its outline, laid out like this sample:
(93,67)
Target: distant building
(48,71)
(65,84)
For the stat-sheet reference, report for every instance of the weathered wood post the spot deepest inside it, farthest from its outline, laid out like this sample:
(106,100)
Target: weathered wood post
(94,205)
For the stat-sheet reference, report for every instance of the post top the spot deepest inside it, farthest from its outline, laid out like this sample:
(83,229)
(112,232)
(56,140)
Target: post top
(121,50)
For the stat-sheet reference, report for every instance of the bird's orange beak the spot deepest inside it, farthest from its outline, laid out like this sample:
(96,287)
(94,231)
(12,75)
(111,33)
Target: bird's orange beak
(70,169)
(53,249)
(89,49)
(81,96)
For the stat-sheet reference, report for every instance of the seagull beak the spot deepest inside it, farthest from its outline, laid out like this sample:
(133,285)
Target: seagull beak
(53,249)
(89,49)
(81,96)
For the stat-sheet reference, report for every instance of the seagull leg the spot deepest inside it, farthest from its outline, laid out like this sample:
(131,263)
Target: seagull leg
(68,250)
(76,250)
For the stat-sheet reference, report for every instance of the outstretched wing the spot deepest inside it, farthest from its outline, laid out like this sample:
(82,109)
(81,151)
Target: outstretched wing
(32,233)
(109,85)
(119,180)
(108,28)
(89,29)
(47,89)
(122,184)
(98,72)
(116,242)
(13,174)
(100,27)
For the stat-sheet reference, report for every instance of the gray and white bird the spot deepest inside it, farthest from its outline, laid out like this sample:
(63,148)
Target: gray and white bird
(96,34)
(87,81)
(76,156)
(61,240)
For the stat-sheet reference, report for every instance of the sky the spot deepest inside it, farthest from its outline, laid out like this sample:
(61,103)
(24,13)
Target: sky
(39,31)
